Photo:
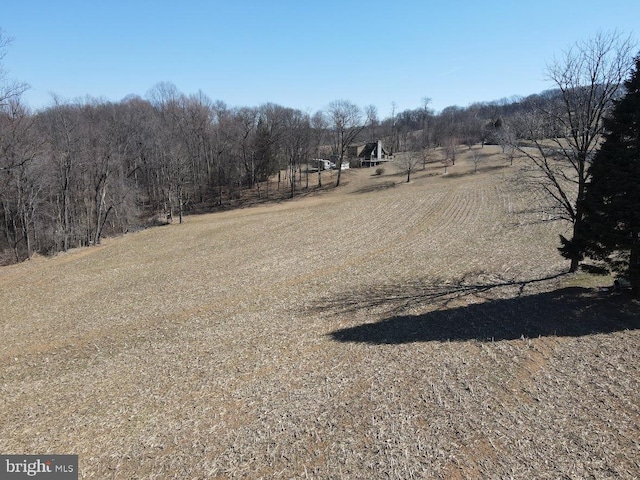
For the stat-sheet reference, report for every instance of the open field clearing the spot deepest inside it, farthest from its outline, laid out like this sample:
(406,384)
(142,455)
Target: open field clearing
(381,330)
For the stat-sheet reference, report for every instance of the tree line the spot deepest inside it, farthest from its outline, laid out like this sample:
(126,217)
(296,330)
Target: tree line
(75,172)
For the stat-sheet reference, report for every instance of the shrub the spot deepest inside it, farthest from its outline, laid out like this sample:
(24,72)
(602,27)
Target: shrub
(379,171)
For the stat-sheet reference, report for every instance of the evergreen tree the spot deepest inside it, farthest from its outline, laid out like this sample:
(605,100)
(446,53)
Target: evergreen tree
(612,198)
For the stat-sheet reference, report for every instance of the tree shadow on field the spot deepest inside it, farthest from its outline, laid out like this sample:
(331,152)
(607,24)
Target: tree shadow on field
(376,187)
(569,311)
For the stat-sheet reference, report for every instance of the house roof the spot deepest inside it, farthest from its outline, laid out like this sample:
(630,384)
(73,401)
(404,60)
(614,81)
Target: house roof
(371,150)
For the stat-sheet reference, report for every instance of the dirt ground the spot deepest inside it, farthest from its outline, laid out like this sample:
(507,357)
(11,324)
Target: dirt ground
(378,330)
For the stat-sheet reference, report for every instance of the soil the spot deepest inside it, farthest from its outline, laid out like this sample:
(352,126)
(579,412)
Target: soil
(382,329)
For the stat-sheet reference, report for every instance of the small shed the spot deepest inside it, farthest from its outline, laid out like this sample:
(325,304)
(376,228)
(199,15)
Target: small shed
(320,164)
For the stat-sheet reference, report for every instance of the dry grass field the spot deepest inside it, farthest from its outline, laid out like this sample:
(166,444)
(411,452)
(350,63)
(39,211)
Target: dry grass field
(380,330)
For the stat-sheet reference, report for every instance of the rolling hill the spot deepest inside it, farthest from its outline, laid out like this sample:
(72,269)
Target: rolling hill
(379,330)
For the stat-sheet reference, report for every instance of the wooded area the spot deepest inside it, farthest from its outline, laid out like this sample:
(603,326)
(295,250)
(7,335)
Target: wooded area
(77,171)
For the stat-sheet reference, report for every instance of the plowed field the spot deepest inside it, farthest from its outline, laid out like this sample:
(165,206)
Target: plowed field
(377,330)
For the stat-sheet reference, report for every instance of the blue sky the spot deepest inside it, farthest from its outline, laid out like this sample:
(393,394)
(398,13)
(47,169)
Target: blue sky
(301,53)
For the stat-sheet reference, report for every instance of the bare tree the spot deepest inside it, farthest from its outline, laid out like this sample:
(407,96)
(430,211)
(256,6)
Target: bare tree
(449,130)
(198,134)
(451,149)
(426,133)
(476,158)
(395,138)
(170,146)
(588,78)
(107,166)
(275,122)
(507,137)
(345,119)
(446,163)
(296,143)
(319,128)
(62,126)
(373,123)
(427,155)
(471,129)
(407,162)
(21,180)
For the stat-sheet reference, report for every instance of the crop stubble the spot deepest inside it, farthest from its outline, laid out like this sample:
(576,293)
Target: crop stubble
(213,349)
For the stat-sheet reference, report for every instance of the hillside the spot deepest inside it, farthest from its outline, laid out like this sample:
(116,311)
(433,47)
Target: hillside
(378,330)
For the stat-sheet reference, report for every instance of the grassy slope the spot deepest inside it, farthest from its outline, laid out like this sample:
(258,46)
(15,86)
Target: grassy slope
(346,334)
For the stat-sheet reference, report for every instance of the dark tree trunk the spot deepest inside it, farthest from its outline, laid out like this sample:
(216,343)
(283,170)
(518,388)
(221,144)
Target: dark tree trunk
(634,265)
